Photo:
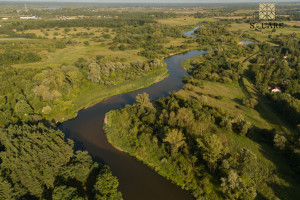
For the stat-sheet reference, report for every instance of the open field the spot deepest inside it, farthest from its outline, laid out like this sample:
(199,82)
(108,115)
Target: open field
(262,36)
(71,32)
(245,11)
(70,54)
(184,21)
(274,119)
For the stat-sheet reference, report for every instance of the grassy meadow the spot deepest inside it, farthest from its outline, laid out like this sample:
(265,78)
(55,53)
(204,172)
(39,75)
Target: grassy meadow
(229,98)
(264,35)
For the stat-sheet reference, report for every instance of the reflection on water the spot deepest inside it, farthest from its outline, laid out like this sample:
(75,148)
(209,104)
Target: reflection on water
(247,42)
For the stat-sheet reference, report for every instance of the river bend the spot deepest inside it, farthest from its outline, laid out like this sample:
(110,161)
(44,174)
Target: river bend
(137,181)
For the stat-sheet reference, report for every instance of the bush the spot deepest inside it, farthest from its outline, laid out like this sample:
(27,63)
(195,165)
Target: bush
(86,43)
(250,102)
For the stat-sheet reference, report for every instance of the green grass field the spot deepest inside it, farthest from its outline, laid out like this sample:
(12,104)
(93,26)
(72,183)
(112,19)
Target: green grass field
(263,36)
(70,54)
(181,21)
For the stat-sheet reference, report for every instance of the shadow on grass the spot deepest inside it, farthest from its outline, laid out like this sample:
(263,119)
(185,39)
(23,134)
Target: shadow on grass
(238,101)
(288,187)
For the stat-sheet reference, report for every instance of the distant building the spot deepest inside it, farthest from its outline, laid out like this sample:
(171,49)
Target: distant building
(32,17)
(272,59)
(14,30)
(4,18)
(274,89)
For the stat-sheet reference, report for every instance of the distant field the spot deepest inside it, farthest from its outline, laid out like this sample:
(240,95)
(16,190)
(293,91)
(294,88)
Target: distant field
(245,27)
(70,54)
(61,33)
(231,17)
(245,11)
(184,21)
(98,45)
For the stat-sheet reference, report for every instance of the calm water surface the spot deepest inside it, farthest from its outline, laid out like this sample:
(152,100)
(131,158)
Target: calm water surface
(137,181)
(190,33)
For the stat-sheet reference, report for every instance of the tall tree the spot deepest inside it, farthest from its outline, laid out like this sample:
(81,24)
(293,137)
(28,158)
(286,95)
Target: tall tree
(143,98)
(212,149)
(176,139)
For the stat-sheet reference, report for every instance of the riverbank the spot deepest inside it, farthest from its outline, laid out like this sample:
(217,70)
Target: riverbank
(89,97)
(86,130)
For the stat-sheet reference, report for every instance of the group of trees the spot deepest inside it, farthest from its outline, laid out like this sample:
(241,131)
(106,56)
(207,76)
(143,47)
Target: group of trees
(279,67)
(16,57)
(183,140)
(37,163)
(150,37)
(215,67)
(214,34)
(29,94)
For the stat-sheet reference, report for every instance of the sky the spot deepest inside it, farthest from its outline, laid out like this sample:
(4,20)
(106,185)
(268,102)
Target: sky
(159,1)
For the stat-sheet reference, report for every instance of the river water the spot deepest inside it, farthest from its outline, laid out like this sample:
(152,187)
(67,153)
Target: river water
(7,39)
(137,181)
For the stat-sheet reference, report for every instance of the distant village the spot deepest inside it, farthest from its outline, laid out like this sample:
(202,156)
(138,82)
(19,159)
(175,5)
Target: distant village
(61,17)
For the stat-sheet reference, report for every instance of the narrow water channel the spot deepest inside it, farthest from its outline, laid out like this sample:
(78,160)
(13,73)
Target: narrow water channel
(137,181)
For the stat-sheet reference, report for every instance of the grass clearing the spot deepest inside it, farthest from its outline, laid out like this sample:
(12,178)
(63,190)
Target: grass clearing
(232,95)
(181,21)
(70,54)
(266,111)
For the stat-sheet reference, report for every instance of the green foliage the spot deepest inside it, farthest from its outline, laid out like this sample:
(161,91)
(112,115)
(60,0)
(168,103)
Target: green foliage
(106,186)
(240,125)
(60,45)
(15,57)
(179,138)
(280,141)
(279,67)
(41,152)
(36,160)
(143,98)
(234,188)
(212,149)
(22,108)
(250,102)
(65,193)
(6,190)
(176,139)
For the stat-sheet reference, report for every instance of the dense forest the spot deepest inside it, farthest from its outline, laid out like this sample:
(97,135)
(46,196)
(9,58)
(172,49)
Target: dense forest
(37,163)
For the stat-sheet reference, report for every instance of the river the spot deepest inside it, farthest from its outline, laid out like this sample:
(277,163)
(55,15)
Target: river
(137,181)
(7,39)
